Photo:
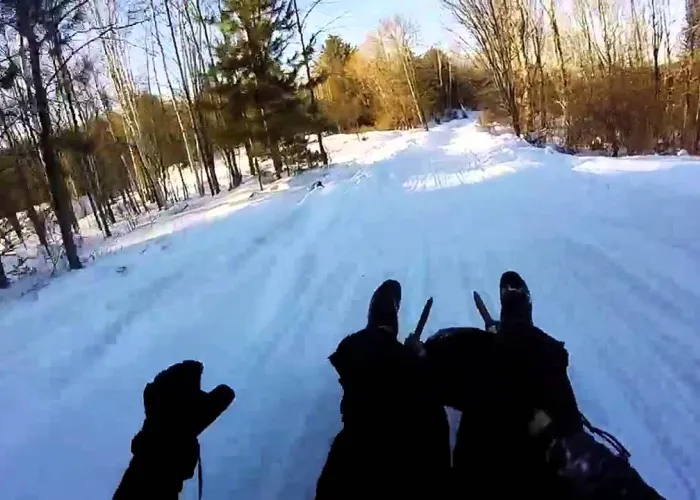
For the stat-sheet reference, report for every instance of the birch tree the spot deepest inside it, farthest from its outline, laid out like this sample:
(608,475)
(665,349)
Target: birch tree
(491,24)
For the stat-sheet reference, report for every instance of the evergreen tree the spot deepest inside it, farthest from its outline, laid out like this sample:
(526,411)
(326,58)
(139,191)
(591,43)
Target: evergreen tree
(4,282)
(257,78)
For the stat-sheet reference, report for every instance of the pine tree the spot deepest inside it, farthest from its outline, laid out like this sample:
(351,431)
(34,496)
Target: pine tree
(257,78)
(4,282)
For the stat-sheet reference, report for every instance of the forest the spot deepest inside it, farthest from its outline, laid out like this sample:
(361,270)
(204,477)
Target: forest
(131,106)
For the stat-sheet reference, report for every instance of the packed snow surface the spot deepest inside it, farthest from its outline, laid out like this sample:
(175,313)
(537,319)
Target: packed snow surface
(262,289)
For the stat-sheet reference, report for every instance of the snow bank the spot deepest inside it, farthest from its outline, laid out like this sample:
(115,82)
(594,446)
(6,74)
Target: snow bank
(608,166)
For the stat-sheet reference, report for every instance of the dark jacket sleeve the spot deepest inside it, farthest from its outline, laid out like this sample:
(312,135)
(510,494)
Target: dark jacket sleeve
(143,479)
(158,468)
(591,470)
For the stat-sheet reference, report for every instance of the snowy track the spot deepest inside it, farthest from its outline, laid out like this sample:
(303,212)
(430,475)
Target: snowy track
(611,249)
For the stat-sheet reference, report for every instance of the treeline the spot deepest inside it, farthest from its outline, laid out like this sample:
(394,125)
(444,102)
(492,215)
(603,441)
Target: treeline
(589,72)
(387,84)
(228,87)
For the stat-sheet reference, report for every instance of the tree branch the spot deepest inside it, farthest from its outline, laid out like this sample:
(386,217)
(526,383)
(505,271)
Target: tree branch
(81,47)
(314,4)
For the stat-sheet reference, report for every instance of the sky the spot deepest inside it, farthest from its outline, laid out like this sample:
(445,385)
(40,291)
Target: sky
(354,19)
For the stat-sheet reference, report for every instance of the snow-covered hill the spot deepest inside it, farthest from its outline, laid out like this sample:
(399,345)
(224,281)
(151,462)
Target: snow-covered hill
(262,289)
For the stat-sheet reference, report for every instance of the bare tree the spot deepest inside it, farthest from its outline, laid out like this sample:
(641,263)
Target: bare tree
(556,34)
(183,131)
(524,30)
(4,281)
(307,65)
(401,34)
(490,23)
(201,140)
(125,88)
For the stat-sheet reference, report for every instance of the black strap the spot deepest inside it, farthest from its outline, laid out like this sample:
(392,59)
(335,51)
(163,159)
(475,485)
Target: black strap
(607,437)
(200,485)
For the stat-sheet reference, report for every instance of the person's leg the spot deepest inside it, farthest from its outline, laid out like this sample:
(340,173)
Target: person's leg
(395,437)
(494,455)
(526,370)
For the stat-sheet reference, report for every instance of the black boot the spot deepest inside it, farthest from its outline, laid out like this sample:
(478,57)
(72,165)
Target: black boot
(384,307)
(516,305)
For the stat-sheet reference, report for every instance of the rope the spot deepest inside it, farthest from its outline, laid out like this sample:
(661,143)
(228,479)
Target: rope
(200,482)
(607,437)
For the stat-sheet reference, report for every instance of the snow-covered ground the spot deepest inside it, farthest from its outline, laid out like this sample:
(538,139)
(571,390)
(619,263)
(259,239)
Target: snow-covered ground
(262,289)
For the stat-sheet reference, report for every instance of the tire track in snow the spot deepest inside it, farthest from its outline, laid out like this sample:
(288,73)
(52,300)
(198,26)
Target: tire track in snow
(630,328)
(79,363)
(281,349)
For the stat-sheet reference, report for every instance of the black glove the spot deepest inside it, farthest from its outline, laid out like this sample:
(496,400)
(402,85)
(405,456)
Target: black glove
(166,449)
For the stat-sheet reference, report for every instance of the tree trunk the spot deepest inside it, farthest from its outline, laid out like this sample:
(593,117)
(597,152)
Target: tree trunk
(129,170)
(543,96)
(129,202)
(96,204)
(696,142)
(414,95)
(562,67)
(103,217)
(87,163)
(259,172)
(39,225)
(185,191)
(230,159)
(16,225)
(276,158)
(73,218)
(99,196)
(686,103)
(212,61)
(208,150)
(4,282)
(272,145)
(249,154)
(198,179)
(528,87)
(196,125)
(449,82)
(93,207)
(515,118)
(238,177)
(230,175)
(125,89)
(110,212)
(54,173)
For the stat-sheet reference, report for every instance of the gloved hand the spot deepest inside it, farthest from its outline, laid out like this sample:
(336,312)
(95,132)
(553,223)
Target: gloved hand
(166,449)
